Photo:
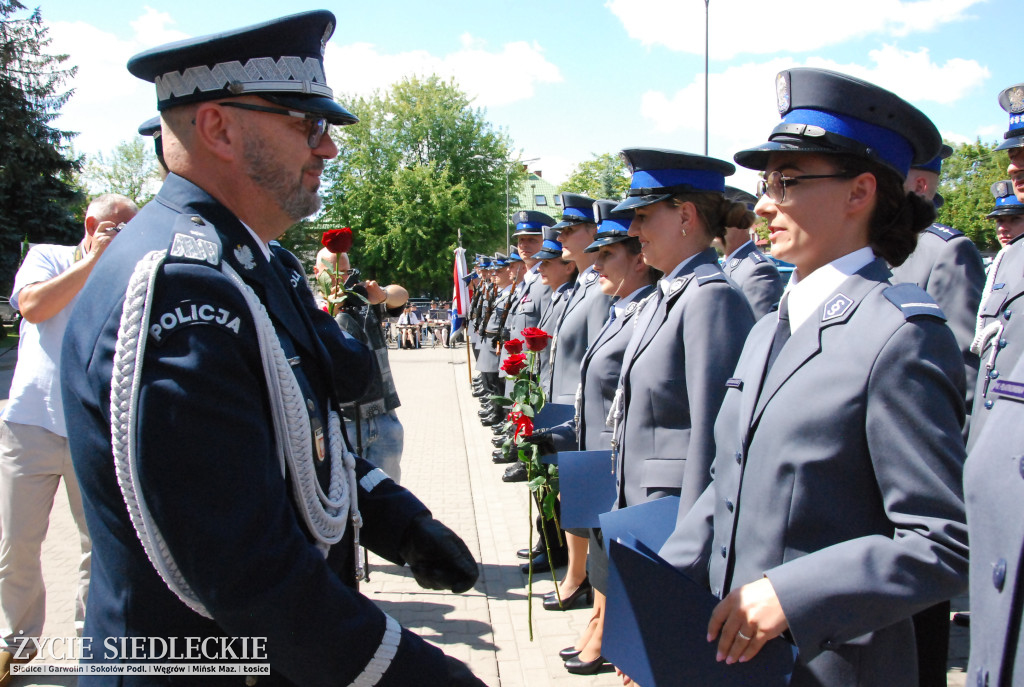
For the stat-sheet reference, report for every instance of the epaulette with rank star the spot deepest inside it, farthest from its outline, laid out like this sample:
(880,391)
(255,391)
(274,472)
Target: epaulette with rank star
(913,301)
(756,256)
(944,232)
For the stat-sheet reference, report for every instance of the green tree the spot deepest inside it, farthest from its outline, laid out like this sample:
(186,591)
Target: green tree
(131,170)
(967,176)
(36,178)
(420,166)
(605,176)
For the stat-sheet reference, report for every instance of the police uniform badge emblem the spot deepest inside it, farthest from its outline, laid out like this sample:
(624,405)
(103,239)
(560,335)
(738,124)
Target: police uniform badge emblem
(591,277)
(734,262)
(835,307)
(676,285)
(1016,98)
(782,92)
(243,254)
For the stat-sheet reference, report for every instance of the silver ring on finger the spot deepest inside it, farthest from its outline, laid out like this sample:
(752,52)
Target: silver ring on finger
(742,636)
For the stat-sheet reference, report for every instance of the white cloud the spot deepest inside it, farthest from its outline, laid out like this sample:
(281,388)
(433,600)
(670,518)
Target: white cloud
(153,28)
(793,26)
(491,78)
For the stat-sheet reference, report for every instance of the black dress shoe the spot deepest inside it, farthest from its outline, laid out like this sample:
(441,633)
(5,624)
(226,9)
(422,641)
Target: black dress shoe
(541,564)
(492,418)
(527,554)
(486,410)
(497,442)
(515,473)
(584,590)
(577,667)
(568,652)
(499,457)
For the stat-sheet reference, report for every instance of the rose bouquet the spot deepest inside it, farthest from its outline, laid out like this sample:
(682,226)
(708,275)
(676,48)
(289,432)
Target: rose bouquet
(524,402)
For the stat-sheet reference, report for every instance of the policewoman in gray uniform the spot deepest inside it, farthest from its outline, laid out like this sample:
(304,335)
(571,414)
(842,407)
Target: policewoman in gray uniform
(836,510)
(586,308)
(202,389)
(998,340)
(688,335)
(756,275)
(624,275)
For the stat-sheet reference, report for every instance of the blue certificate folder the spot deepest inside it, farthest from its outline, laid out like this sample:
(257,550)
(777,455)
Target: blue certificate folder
(553,414)
(586,480)
(657,618)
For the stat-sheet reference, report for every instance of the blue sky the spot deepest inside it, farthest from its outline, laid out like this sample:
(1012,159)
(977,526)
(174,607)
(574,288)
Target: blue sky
(570,78)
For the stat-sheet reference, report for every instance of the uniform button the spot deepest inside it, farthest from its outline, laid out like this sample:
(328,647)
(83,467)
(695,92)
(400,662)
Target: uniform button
(989,404)
(712,470)
(827,645)
(1007,314)
(725,552)
(999,574)
(994,374)
(197,220)
(739,457)
(729,505)
(1020,466)
(1002,343)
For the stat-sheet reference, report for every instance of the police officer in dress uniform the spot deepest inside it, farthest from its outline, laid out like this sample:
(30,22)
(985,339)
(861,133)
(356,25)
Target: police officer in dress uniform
(994,492)
(842,420)
(536,296)
(756,275)
(949,267)
(551,252)
(998,341)
(487,361)
(625,276)
(688,335)
(1008,213)
(587,308)
(202,388)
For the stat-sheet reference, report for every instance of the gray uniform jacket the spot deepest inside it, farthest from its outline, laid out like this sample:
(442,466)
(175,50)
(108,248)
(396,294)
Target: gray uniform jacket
(581,322)
(850,461)
(949,267)
(994,492)
(673,381)
(599,378)
(487,361)
(757,277)
(548,323)
(1004,347)
(535,299)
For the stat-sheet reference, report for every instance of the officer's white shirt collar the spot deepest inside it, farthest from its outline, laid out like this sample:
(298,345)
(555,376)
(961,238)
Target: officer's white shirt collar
(727,258)
(807,295)
(665,282)
(623,303)
(264,248)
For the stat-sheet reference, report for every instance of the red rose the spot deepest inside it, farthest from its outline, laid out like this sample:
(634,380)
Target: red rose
(337,240)
(524,427)
(514,346)
(514,364)
(536,338)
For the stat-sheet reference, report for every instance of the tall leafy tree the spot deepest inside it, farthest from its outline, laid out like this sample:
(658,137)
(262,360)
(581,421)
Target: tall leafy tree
(420,166)
(967,176)
(131,170)
(36,179)
(605,176)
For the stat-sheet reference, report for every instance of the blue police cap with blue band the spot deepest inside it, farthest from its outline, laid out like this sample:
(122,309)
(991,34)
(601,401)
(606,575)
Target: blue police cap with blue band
(551,248)
(740,196)
(513,255)
(576,209)
(830,113)
(659,174)
(279,60)
(530,222)
(1012,100)
(613,227)
(1006,200)
(150,127)
(935,164)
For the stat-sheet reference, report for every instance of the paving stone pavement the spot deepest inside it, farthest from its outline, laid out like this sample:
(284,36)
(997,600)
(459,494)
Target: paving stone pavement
(447,464)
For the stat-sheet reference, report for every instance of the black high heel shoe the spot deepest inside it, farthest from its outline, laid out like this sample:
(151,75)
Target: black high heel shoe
(585,589)
(569,652)
(577,667)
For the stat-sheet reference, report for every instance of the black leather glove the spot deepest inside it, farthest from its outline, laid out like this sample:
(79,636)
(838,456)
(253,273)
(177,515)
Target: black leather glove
(459,674)
(544,441)
(438,558)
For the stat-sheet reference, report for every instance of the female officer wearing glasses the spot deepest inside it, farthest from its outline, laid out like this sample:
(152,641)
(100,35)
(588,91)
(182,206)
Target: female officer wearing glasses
(845,436)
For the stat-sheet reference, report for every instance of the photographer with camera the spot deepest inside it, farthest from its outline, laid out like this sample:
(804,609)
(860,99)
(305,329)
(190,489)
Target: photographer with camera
(371,422)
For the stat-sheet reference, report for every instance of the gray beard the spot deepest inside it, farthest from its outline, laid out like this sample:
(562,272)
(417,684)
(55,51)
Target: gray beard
(293,199)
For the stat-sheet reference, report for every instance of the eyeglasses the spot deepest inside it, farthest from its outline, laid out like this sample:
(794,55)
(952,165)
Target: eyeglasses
(775,183)
(318,127)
